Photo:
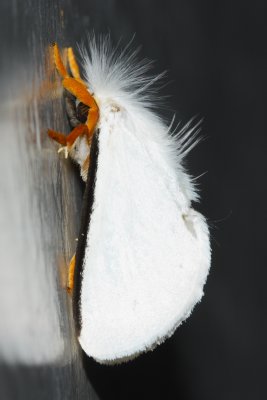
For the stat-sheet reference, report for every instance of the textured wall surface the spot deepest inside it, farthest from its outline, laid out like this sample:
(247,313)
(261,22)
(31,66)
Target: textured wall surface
(40,205)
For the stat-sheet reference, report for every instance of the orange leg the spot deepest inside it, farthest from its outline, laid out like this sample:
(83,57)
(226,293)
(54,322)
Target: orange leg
(72,63)
(57,136)
(74,66)
(69,139)
(71,274)
(80,92)
(58,61)
(75,133)
(78,89)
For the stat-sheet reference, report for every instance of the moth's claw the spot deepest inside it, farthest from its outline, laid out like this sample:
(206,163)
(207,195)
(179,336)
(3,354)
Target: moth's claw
(65,150)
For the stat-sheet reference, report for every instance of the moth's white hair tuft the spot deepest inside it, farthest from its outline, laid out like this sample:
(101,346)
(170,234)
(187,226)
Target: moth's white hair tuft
(119,77)
(119,73)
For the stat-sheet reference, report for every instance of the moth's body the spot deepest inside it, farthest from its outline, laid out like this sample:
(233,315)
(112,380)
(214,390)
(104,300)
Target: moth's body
(143,253)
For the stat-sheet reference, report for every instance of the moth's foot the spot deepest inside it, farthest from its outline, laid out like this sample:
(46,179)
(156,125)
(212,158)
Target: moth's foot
(65,150)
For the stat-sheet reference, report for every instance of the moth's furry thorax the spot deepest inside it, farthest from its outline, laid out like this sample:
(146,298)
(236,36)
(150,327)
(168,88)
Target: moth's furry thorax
(125,93)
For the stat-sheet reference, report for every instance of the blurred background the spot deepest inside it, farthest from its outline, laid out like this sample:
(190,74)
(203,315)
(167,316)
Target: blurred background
(216,57)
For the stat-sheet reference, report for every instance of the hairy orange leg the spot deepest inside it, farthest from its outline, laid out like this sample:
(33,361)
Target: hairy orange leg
(57,136)
(81,129)
(75,133)
(80,92)
(71,274)
(69,139)
(59,63)
(78,89)
(74,66)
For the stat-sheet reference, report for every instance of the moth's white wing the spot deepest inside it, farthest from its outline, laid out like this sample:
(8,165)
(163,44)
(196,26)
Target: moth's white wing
(147,253)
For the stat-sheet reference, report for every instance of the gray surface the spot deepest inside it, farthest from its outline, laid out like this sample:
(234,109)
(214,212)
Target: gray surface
(39,214)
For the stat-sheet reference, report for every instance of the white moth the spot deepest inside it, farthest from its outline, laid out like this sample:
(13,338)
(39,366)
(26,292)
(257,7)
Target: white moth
(143,253)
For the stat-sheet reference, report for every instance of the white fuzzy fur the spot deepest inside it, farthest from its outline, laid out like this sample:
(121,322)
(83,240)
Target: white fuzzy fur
(147,254)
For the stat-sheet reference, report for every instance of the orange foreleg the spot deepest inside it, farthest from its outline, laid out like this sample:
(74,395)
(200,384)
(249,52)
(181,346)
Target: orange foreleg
(80,92)
(58,61)
(57,136)
(76,132)
(68,140)
(77,87)
(74,66)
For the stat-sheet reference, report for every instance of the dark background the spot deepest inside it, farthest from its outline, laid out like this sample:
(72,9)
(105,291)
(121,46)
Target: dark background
(216,57)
